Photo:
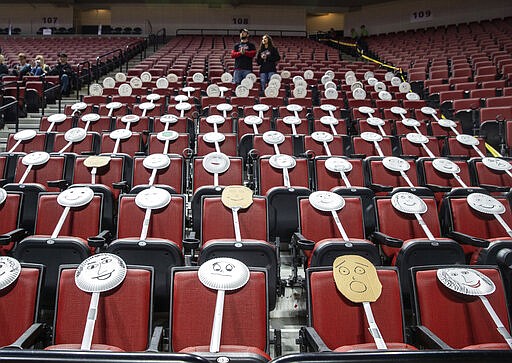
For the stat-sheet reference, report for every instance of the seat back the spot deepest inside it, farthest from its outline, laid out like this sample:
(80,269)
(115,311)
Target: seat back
(341,322)
(124,314)
(172,176)
(268,177)
(19,303)
(245,317)
(10,213)
(232,176)
(54,169)
(326,180)
(440,309)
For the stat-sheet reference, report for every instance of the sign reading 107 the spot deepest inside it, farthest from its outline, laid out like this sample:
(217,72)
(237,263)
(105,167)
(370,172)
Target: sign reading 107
(240,20)
(50,20)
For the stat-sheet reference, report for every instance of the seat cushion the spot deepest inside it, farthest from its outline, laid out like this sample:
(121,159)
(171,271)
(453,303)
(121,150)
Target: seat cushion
(488,346)
(109,348)
(372,346)
(227,349)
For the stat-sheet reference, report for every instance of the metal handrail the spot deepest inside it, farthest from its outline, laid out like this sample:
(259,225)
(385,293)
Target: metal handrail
(88,76)
(16,108)
(194,31)
(98,58)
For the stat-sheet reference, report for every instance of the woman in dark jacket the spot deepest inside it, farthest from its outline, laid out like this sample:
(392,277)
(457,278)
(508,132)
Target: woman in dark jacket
(267,58)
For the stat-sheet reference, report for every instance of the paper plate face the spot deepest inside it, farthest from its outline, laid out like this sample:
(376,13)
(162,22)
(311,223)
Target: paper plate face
(120,77)
(223,273)
(25,135)
(301,83)
(375,121)
(445,166)
(167,135)
(416,138)
(325,79)
(188,89)
(215,119)
(409,203)
(226,77)
(497,164)
(331,94)
(156,161)
(356,85)
(285,74)
(300,92)
(168,119)
(350,80)
(183,106)
(136,82)
(385,96)
(398,110)
(3,195)
(329,120)
(297,79)
(247,83)
(404,87)
(36,158)
(326,201)
(120,134)
(75,197)
(76,134)
(162,83)
(379,86)
(276,77)
(95,89)
(484,203)
(114,105)
(359,94)
(100,272)
(57,118)
(213,90)
(467,140)
(109,82)
(216,163)
(395,81)
(322,136)
(338,165)
(130,118)
(153,97)
(447,123)
(412,96)
(10,270)
(329,73)
(224,107)
(172,78)
(273,137)
(145,77)
(147,106)
(372,81)
(241,91)
(282,161)
(428,110)
(466,281)
(252,77)
(329,84)
(153,198)
(349,74)
(388,76)
(309,74)
(410,122)
(271,91)
(181,98)
(212,137)
(124,90)
(79,106)
(236,196)
(260,107)
(395,164)
(327,107)
(356,278)
(371,136)
(198,77)
(93,117)
(253,120)
(291,120)
(366,110)
(96,161)
(368,75)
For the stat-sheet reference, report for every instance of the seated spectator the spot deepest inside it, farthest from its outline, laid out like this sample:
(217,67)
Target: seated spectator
(39,68)
(4,71)
(65,73)
(23,67)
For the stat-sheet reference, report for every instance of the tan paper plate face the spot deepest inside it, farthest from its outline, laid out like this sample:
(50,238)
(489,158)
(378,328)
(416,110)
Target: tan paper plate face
(96,161)
(356,278)
(236,196)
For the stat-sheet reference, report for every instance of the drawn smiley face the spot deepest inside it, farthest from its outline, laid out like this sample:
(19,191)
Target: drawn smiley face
(485,203)
(236,196)
(326,201)
(75,197)
(153,198)
(466,281)
(445,166)
(408,203)
(10,269)
(100,272)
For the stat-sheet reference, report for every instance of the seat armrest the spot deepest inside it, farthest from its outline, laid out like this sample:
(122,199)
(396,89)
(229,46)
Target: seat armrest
(61,184)
(466,239)
(140,153)
(190,243)
(381,187)
(384,239)
(87,153)
(302,242)
(438,188)
(100,240)
(13,236)
(29,337)
(495,188)
(156,339)
(357,156)
(504,258)
(121,185)
(311,339)
(428,339)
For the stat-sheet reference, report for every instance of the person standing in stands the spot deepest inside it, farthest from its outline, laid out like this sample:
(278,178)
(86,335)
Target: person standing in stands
(64,71)
(4,70)
(243,53)
(267,58)
(363,32)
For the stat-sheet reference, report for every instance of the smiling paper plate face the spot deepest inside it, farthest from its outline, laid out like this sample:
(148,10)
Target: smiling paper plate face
(409,203)
(485,203)
(236,196)
(10,269)
(466,281)
(100,272)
